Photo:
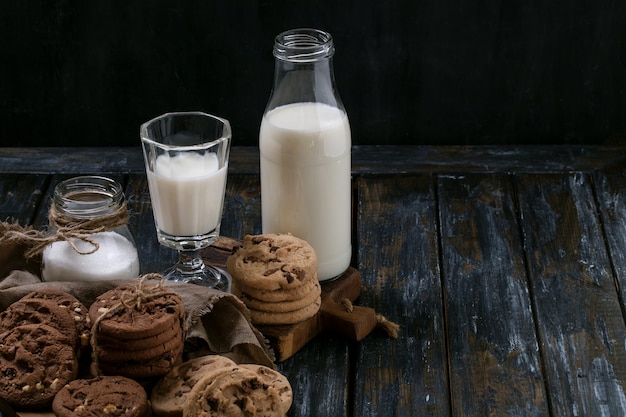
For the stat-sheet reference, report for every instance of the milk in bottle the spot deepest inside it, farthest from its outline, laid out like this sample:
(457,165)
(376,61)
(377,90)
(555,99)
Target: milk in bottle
(305,180)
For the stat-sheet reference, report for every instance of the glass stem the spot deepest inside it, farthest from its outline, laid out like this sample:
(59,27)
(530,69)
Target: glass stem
(190,262)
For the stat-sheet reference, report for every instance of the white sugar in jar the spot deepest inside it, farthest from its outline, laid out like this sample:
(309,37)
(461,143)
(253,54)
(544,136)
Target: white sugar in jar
(91,212)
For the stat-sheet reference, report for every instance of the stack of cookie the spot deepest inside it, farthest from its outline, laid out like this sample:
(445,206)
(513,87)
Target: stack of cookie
(40,342)
(275,275)
(137,332)
(216,386)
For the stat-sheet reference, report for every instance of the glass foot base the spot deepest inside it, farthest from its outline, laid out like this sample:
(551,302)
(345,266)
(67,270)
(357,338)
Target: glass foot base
(208,276)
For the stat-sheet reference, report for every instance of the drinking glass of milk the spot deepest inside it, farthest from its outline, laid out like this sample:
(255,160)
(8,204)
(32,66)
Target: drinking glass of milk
(186,158)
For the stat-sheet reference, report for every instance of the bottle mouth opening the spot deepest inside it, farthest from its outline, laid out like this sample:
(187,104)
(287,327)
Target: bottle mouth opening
(303,45)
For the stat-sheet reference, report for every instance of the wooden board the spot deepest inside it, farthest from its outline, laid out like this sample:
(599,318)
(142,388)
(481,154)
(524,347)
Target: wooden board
(333,315)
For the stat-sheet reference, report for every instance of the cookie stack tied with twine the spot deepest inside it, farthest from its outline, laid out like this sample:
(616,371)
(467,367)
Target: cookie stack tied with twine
(40,343)
(275,275)
(137,330)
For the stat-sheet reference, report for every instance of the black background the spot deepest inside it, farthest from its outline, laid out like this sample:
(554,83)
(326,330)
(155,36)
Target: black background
(88,73)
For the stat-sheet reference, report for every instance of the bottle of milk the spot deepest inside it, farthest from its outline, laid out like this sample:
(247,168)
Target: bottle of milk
(305,147)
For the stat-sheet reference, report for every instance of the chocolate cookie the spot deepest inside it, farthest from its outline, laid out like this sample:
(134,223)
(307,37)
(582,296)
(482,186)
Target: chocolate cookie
(135,369)
(36,362)
(170,393)
(114,396)
(238,392)
(272,262)
(67,301)
(140,344)
(40,311)
(150,351)
(129,313)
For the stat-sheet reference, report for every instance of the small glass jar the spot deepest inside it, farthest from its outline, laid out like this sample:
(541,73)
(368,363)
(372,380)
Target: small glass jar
(90,213)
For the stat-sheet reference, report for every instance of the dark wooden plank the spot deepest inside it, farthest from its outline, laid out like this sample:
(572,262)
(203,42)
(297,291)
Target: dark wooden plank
(610,189)
(71,160)
(320,378)
(444,159)
(397,256)
(580,322)
(20,196)
(242,206)
(365,159)
(494,365)
(243,160)
(20,199)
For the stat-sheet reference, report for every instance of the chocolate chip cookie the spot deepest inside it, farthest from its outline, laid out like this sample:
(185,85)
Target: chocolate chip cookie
(238,392)
(36,361)
(113,396)
(273,261)
(170,393)
(276,380)
(41,311)
(73,305)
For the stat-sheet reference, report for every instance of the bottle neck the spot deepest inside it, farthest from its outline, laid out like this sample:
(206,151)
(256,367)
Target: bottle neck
(303,69)
(88,197)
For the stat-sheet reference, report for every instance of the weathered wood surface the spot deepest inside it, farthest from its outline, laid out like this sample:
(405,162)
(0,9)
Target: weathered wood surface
(365,159)
(494,364)
(505,267)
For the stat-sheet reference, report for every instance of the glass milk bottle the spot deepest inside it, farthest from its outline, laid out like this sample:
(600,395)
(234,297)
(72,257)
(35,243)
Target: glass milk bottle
(305,147)
(90,212)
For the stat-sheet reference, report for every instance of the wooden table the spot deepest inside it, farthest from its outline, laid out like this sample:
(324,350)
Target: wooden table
(504,266)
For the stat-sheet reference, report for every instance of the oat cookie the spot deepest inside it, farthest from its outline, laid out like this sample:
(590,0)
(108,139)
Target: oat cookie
(240,392)
(113,396)
(277,380)
(170,393)
(36,362)
(272,262)
(283,306)
(290,317)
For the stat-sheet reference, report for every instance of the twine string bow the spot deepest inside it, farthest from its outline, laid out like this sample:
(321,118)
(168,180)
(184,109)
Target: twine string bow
(67,228)
(133,299)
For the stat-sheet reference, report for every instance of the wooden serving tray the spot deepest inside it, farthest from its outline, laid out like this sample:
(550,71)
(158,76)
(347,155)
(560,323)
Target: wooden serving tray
(286,340)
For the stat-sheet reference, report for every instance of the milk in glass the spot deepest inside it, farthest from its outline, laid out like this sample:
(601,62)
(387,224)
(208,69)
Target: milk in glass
(305,180)
(187,191)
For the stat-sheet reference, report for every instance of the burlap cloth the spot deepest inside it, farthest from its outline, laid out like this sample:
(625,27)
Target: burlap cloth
(216,322)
